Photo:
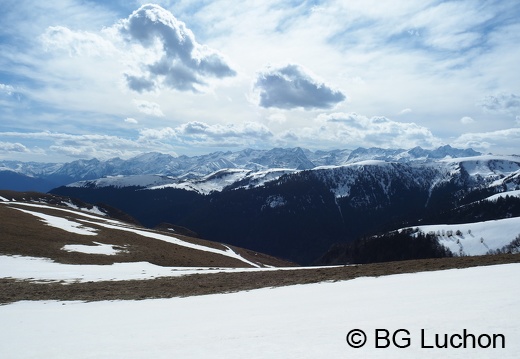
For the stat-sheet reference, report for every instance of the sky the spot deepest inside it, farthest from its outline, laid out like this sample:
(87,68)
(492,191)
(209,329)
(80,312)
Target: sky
(83,79)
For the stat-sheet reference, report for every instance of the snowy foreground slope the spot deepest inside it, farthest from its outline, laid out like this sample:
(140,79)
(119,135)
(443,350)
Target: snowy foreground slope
(270,323)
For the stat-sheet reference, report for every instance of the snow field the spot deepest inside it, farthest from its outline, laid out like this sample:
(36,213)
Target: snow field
(304,321)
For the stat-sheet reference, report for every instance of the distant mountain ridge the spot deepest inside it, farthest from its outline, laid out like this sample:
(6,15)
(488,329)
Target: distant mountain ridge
(51,175)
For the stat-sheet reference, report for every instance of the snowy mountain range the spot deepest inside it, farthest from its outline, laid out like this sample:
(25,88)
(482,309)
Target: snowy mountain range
(18,175)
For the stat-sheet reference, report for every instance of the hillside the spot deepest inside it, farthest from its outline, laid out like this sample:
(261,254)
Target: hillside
(70,232)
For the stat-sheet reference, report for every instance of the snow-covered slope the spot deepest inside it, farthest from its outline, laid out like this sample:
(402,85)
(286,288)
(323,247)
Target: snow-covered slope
(303,321)
(514,193)
(216,181)
(477,238)
(126,181)
(487,169)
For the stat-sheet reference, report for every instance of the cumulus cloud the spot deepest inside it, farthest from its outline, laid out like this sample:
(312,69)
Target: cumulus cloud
(347,130)
(466,120)
(180,63)
(292,86)
(501,103)
(149,108)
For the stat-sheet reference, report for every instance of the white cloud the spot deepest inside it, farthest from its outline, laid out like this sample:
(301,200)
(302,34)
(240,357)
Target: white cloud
(149,108)
(131,120)
(181,63)
(405,111)
(292,86)
(466,120)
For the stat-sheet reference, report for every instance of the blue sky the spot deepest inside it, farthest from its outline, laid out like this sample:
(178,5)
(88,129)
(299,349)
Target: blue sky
(84,79)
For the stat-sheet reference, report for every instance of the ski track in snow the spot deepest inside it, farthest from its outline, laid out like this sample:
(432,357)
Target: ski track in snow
(296,322)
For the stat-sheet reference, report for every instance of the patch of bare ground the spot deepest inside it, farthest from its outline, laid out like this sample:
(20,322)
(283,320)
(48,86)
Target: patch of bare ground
(199,284)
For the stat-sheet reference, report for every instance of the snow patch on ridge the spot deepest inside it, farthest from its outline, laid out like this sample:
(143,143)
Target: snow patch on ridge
(494,197)
(477,238)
